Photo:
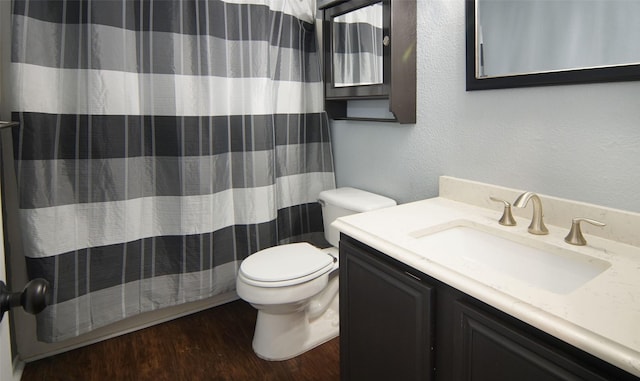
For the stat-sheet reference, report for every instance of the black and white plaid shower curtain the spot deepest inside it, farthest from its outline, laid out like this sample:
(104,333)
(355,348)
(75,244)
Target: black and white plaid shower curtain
(160,143)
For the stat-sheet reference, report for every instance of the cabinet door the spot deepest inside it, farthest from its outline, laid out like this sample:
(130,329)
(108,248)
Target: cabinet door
(487,349)
(385,320)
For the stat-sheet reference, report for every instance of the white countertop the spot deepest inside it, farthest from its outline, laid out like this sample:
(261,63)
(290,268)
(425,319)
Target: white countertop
(601,317)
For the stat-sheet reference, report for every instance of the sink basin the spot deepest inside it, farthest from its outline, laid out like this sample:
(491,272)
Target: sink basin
(537,263)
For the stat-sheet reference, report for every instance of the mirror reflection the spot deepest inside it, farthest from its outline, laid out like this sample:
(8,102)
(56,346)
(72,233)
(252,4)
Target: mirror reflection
(357,47)
(516,37)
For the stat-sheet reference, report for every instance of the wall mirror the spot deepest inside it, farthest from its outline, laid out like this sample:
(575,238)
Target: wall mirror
(357,47)
(515,43)
(369,53)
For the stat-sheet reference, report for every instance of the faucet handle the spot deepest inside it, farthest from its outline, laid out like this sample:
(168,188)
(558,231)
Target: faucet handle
(575,236)
(507,218)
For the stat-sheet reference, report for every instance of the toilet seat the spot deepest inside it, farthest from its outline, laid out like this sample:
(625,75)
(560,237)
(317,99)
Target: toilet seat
(285,265)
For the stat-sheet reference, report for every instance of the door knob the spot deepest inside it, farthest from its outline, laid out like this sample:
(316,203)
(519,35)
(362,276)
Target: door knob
(34,297)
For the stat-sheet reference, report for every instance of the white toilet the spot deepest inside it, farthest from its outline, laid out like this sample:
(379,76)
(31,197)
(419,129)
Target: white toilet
(294,287)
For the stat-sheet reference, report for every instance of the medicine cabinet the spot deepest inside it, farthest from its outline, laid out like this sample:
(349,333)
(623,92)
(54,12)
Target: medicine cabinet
(369,52)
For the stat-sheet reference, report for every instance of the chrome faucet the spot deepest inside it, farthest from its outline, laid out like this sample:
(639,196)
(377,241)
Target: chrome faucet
(537,225)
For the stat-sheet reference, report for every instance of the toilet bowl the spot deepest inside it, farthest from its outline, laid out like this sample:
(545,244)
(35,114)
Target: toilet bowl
(294,287)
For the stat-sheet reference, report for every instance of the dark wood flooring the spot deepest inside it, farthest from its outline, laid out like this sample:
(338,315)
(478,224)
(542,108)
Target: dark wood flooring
(211,345)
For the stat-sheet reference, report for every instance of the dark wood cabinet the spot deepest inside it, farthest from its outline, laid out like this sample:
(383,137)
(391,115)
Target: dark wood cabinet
(390,46)
(399,324)
(385,320)
(489,350)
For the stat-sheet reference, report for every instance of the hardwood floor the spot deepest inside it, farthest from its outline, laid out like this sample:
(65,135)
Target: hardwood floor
(211,345)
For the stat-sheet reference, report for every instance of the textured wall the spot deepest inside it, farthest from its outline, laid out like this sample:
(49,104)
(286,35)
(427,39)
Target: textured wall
(580,142)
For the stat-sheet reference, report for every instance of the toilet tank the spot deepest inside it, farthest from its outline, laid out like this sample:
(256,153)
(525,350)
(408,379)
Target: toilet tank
(345,201)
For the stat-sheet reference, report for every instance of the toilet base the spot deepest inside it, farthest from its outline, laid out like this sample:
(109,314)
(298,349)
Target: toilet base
(280,337)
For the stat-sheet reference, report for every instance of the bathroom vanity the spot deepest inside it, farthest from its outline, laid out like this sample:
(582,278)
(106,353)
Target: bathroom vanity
(398,323)
(411,309)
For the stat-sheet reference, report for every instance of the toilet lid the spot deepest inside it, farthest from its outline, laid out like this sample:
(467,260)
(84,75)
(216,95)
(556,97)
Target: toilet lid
(286,262)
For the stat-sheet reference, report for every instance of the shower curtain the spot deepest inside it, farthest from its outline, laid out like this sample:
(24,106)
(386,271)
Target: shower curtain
(160,143)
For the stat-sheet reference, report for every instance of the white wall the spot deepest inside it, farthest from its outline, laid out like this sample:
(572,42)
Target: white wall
(7,372)
(6,363)
(5,341)
(580,142)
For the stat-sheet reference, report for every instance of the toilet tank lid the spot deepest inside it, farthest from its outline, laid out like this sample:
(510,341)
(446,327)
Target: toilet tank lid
(356,200)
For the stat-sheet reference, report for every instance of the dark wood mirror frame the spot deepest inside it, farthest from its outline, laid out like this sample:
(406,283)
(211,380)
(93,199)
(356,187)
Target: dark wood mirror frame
(605,74)
(399,61)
